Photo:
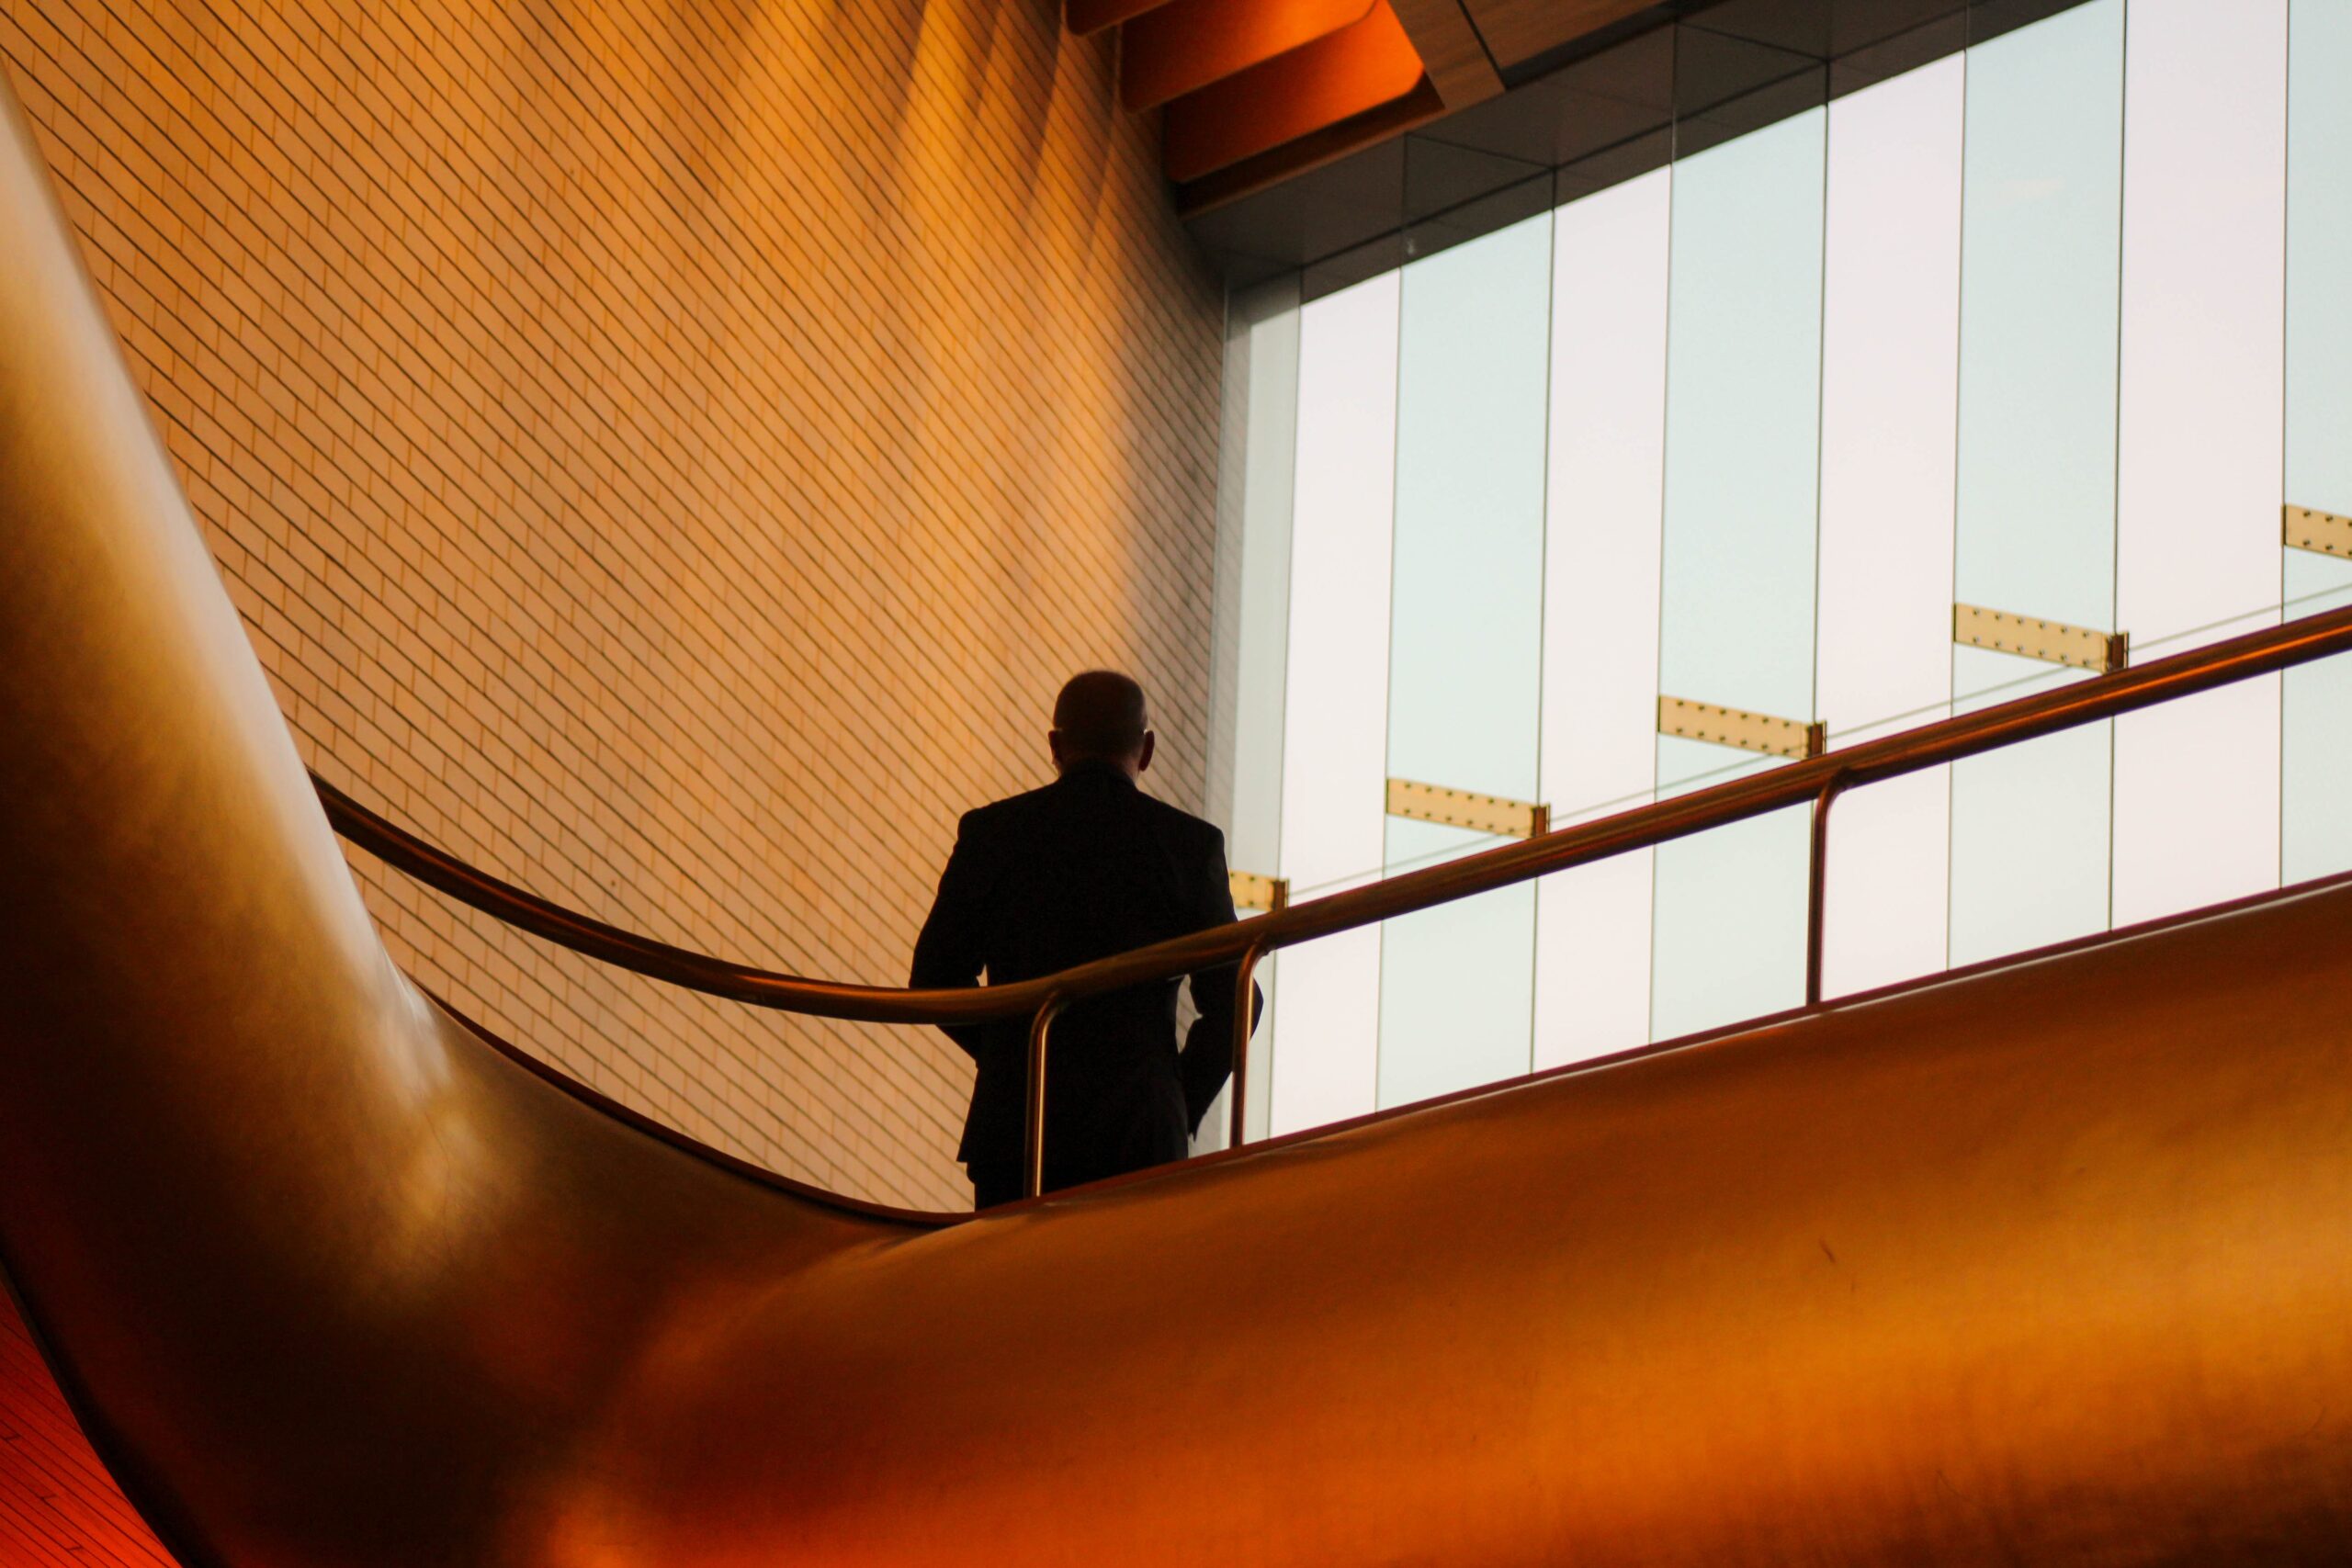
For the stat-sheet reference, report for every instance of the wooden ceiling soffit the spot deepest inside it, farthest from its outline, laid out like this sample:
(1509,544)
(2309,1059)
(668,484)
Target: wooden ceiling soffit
(1457,73)
(1451,50)
(1309,90)
(1516,31)
(1186,45)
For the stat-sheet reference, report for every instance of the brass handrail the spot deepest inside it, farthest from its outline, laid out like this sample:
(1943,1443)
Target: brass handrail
(1816,780)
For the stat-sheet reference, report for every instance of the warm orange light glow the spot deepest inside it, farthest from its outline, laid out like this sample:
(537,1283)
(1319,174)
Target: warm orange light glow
(1185,46)
(1293,94)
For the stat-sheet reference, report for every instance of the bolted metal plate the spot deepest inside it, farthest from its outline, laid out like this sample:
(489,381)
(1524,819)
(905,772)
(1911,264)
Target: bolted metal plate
(1262,895)
(2308,528)
(1462,808)
(1737,728)
(2052,642)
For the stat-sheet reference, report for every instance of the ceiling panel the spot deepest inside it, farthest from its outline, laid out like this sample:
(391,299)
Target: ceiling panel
(1582,109)
(1518,30)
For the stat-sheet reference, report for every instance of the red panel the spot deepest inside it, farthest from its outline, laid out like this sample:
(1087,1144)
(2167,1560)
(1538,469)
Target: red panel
(58,1508)
(1185,45)
(1291,96)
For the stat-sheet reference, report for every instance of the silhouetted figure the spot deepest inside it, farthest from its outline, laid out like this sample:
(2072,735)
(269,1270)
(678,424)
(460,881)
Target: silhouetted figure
(1087,867)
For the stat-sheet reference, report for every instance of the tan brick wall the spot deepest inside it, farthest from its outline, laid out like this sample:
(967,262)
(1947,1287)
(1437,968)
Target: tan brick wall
(668,454)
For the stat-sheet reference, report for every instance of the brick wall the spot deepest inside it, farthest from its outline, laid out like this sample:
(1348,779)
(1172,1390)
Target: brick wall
(667,452)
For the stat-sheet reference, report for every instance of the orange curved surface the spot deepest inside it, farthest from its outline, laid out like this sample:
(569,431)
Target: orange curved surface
(1184,46)
(1290,96)
(2042,1264)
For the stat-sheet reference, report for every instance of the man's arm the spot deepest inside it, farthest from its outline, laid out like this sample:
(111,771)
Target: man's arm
(953,948)
(1207,1060)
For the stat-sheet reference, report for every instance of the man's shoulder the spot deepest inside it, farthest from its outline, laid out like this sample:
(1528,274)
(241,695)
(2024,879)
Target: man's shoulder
(1194,832)
(998,814)
(1018,812)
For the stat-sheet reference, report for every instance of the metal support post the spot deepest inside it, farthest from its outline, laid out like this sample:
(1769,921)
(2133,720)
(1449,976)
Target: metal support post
(1032,1150)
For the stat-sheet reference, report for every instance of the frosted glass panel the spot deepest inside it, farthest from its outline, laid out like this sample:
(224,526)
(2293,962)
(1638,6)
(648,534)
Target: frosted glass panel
(2316,829)
(1889,392)
(1457,982)
(1743,421)
(2201,425)
(1256,484)
(1465,653)
(1335,722)
(2040,237)
(1255,493)
(1601,574)
(1737,622)
(2315,753)
(2039,285)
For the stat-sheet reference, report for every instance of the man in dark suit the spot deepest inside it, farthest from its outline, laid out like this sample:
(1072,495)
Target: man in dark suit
(1086,867)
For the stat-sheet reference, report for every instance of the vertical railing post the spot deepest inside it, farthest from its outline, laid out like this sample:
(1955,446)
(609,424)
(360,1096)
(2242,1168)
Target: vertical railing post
(1033,1144)
(1816,896)
(1244,1019)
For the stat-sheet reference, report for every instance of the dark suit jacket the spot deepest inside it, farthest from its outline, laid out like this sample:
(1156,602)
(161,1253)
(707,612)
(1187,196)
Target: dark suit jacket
(1086,867)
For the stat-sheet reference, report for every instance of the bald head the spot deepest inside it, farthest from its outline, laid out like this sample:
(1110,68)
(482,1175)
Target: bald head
(1099,716)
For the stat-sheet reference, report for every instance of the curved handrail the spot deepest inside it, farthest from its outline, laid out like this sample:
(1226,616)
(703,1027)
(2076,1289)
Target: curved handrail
(1818,780)
(1796,783)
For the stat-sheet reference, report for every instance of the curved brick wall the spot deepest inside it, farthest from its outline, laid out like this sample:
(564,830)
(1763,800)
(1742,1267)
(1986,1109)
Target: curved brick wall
(668,453)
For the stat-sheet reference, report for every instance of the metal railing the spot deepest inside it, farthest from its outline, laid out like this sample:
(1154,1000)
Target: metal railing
(1817,782)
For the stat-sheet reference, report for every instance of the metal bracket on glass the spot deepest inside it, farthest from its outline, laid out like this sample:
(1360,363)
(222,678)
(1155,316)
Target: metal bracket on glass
(1268,895)
(2308,528)
(1460,808)
(2052,642)
(1737,728)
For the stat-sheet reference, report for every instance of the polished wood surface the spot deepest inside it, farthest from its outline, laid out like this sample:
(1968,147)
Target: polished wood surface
(2044,1264)
(1451,50)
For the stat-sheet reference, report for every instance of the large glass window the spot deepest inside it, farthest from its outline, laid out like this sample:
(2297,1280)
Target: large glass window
(1890,352)
(1603,506)
(1254,495)
(1871,406)
(1465,650)
(2200,438)
(2316,751)
(1743,439)
(2041,244)
(1335,722)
